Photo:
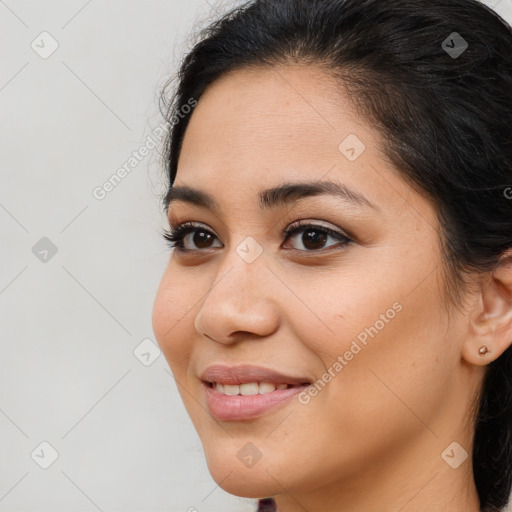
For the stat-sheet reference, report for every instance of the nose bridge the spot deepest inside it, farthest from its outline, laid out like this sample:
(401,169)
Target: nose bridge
(239,299)
(244,266)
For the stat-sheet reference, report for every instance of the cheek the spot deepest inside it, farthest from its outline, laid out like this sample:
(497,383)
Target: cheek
(380,347)
(342,310)
(391,380)
(171,320)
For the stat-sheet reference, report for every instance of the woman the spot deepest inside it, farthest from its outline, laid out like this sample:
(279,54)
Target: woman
(337,307)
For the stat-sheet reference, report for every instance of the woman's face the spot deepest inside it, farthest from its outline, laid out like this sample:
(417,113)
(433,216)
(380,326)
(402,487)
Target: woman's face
(364,321)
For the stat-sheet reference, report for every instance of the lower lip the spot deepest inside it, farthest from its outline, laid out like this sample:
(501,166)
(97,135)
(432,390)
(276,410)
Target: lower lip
(239,407)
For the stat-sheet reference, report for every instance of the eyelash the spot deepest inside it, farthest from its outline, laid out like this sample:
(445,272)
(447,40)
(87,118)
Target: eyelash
(175,236)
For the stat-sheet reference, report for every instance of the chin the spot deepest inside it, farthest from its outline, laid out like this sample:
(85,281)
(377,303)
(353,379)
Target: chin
(235,477)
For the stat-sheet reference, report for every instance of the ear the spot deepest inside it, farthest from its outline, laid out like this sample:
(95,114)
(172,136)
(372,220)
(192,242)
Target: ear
(490,320)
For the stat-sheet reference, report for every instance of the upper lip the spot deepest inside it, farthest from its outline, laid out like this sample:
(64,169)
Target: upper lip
(241,374)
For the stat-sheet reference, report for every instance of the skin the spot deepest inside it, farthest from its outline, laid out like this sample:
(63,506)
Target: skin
(373,437)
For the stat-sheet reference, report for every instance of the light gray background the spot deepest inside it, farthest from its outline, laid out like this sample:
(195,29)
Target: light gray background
(70,325)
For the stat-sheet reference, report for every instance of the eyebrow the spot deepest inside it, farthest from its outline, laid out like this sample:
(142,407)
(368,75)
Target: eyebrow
(273,197)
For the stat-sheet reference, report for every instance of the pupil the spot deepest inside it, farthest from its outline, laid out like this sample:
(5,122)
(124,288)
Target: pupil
(201,237)
(318,239)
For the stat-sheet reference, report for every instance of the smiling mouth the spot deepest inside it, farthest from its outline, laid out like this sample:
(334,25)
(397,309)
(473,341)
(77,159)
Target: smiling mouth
(246,391)
(251,388)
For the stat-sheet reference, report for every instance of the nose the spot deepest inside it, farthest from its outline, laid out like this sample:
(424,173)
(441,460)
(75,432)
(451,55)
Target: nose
(240,302)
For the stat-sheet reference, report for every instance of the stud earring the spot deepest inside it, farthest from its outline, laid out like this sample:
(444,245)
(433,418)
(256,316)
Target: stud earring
(483,350)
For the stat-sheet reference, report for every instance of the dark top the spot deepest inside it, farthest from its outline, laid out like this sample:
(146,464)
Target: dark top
(269,505)
(266,505)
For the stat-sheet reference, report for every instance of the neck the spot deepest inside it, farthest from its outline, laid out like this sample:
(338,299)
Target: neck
(417,479)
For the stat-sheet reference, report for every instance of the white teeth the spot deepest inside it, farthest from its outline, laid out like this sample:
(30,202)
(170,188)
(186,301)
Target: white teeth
(231,389)
(266,387)
(248,388)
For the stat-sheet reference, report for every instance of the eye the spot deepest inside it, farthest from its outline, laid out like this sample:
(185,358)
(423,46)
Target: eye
(313,239)
(176,237)
(314,236)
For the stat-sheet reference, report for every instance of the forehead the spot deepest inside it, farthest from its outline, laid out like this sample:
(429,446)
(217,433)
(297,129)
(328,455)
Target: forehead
(254,129)
(267,115)
(272,109)
(289,87)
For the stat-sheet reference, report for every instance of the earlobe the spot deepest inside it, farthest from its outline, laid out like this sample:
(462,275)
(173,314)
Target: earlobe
(490,327)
